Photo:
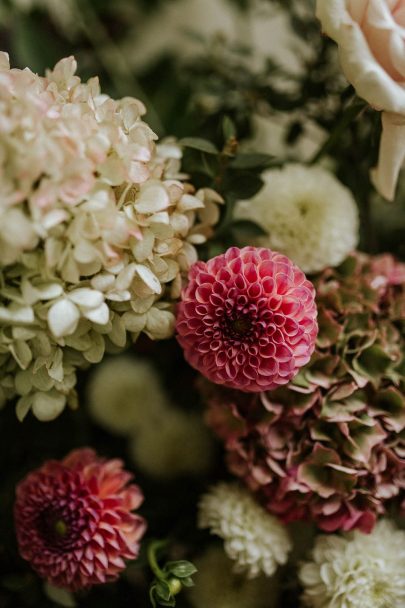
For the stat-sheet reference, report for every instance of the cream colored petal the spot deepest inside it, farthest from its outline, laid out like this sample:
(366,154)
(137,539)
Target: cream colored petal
(152,199)
(21,353)
(331,13)
(159,324)
(189,202)
(98,315)
(48,406)
(149,278)
(63,318)
(4,61)
(391,156)
(134,322)
(86,298)
(142,248)
(102,281)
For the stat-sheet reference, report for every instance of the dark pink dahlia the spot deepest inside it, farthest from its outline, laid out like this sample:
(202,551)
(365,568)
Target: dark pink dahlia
(247,319)
(74,520)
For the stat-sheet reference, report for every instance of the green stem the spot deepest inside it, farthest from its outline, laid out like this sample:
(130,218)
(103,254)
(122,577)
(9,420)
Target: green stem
(112,59)
(153,547)
(354,109)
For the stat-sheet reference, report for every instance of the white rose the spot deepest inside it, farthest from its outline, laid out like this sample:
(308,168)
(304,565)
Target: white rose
(371,39)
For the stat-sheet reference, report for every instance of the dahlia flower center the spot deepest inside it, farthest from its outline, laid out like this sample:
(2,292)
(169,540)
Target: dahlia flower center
(241,326)
(59,530)
(61,527)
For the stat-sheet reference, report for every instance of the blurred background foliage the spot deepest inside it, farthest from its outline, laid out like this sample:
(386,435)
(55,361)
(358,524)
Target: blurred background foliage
(250,84)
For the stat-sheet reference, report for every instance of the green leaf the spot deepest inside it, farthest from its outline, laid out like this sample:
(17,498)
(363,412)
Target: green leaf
(163,590)
(181,568)
(251,161)
(247,228)
(170,602)
(228,128)
(374,361)
(243,185)
(348,266)
(187,582)
(197,143)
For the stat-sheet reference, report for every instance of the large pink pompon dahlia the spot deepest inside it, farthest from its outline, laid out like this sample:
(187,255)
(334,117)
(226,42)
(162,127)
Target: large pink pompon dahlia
(247,319)
(74,520)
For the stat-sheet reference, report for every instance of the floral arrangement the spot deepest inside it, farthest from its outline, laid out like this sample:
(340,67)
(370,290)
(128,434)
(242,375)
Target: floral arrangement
(202,288)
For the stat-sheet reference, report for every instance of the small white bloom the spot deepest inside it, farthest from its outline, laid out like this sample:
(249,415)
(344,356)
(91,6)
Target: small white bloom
(256,540)
(308,215)
(173,444)
(217,585)
(357,570)
(124,393)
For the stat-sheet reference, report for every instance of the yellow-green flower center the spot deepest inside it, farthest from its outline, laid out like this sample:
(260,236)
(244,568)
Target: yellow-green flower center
(61,527)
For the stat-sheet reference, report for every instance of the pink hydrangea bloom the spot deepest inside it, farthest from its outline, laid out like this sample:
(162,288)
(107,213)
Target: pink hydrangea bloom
(247,319)
(74,520)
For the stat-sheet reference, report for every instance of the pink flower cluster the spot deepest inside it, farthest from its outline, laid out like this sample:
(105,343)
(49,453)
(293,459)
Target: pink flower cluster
(247,319)
(74,520)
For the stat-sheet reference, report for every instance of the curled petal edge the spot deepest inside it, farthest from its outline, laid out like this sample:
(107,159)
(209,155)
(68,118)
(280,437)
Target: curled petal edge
(391,156)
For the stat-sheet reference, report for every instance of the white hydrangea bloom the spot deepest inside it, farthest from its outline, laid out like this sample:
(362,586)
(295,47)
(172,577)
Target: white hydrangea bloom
(357,570)
(172,444)
(254,539)
(308,215)
(123,393)
(97,229)
(217,585)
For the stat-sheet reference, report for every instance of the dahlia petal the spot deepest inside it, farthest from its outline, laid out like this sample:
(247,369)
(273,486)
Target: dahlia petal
(101,557)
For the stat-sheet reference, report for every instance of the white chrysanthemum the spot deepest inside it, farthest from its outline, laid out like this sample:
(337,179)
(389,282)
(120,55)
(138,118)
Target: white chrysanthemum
(175,443)
(96,231)
(357,570)
(308,215)
(254,539)
(216,585)
(124,393)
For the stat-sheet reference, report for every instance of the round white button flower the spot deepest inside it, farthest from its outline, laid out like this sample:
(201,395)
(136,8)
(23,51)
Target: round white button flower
(357,570)
(124,393)
(216,585)
(308,215)
(172,444)
(254,539)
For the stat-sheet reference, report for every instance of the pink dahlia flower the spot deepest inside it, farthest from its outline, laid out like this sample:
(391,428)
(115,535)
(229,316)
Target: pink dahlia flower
(74,520)
(247,319)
